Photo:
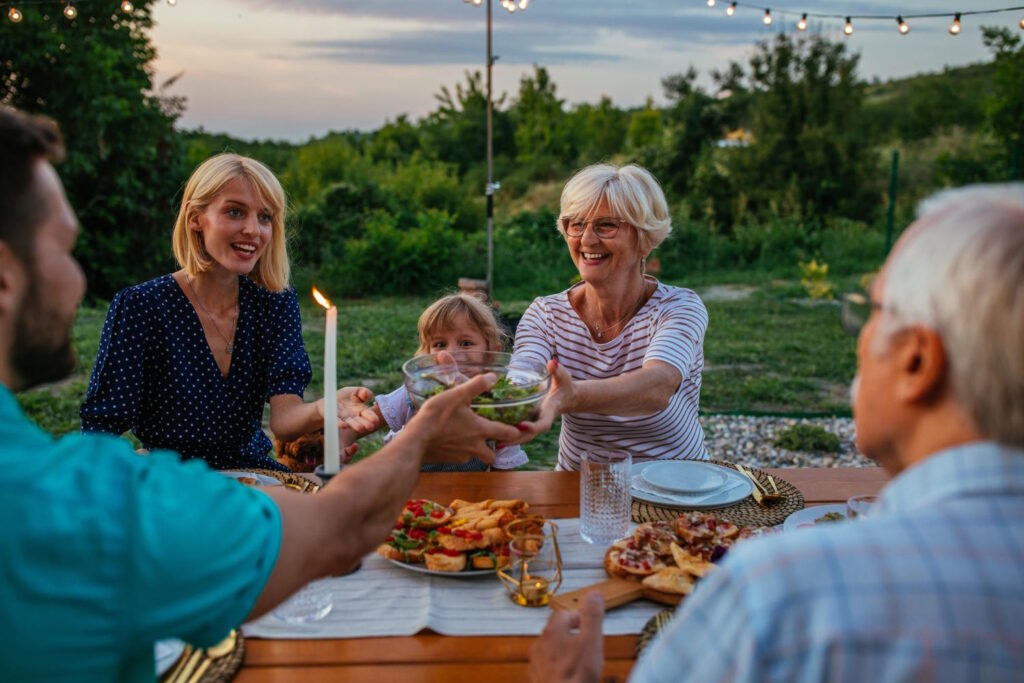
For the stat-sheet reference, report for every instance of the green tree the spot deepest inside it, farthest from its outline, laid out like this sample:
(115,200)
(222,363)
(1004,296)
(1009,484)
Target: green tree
(542,141)
(645,127)
(809,158)
(124,164)
(599,131)
(1006,103)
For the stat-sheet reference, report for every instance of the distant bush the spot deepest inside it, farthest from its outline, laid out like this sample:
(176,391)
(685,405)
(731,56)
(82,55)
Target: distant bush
(808,438)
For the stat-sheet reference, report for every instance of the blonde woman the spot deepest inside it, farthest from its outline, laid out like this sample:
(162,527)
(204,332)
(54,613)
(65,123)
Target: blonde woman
(626,351)
(188,360)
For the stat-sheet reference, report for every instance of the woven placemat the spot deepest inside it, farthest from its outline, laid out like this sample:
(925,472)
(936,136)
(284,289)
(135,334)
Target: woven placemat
(291,480)
(219,670)
(743,513)
(653,627)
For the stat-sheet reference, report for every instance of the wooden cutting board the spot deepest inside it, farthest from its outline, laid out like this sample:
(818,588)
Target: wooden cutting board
(616,592)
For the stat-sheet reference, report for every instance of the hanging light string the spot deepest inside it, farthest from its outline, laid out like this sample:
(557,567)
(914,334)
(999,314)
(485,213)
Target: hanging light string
(68,9)
(901,24)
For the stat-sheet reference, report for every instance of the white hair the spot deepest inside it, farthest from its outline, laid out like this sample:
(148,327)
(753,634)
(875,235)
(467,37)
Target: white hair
(960,272)
(632,193)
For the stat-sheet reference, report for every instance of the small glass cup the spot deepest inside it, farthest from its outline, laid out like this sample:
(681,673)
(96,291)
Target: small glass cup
(605,495)
(534,571)
(858,506)
(311,603)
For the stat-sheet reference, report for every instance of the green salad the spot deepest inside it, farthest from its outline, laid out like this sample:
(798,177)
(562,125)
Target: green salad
(503,391)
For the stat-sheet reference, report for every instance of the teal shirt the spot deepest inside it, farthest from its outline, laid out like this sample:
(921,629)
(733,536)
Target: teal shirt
(103,552)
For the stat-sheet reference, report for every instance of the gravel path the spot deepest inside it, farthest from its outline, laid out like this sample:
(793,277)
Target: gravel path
(749,440)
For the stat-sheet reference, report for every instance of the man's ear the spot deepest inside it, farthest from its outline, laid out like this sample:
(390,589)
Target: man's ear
(922,366)
(12,279)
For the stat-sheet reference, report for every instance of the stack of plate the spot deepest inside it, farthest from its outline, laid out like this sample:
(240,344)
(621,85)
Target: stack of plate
(688,484)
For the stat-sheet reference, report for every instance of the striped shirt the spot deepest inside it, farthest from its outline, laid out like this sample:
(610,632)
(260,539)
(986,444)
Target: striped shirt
(929,587)
(669,327)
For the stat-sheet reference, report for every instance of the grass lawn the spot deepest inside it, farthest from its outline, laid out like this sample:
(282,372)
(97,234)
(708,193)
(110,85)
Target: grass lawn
(770,353)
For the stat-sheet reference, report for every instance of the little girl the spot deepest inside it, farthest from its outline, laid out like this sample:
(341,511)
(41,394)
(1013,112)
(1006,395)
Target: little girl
(457,322)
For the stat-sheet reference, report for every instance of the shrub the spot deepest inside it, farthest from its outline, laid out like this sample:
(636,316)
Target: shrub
(814,278)
(808,438)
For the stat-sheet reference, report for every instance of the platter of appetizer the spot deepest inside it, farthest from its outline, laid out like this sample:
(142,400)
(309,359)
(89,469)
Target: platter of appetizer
(667,558)
(461,539)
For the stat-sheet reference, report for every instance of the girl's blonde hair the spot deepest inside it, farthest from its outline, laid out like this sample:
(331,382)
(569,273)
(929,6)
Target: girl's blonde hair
(272,270)
(445,313)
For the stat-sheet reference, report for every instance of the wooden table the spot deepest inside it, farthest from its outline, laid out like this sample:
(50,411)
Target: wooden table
(494,659)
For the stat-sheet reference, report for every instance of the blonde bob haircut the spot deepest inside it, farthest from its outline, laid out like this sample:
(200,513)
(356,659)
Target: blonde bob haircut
(272,270)
(632,193)
(448,311)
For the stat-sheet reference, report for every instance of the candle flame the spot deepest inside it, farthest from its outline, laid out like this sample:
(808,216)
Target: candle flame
(320,298)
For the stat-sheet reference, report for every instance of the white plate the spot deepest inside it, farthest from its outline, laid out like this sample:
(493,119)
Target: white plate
(166,653)
(684,476)
(422,569)
(262,479)
(736,488)
(802,519)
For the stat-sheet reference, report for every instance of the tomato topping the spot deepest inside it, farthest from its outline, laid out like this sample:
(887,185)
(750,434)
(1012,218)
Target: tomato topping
(398,525)
(389,539)
(437,513)
(476,536)
(418,534)
(444,530)
(450,553)
(647,565)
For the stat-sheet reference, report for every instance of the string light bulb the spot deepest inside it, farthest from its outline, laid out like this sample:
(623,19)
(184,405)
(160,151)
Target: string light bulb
(127,7)
(478,2)
(904,29)
(69,11)
(711,3)
(730,10)
(172,3)
(802,24)
(14,14)
(954,28)
(767,17)
(848,29)
(1022,24)
(523,3)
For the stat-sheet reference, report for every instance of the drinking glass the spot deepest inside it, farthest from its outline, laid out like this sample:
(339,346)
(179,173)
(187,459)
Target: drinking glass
(858,506)
(534,571)
(311,603)
(605,495)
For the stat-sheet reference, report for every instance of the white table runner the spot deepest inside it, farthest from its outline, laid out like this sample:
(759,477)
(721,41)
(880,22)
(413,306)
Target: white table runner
(384,600)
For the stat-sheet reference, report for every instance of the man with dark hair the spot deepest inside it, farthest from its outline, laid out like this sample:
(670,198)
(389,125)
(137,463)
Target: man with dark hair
(102,551)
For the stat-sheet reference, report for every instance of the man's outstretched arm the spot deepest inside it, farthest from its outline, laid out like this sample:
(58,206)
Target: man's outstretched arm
(329,532)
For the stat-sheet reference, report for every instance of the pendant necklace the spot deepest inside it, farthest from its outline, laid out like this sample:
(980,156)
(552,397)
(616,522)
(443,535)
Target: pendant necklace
(230,346)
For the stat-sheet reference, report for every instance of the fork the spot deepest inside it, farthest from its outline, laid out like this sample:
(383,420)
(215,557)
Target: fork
(761,493)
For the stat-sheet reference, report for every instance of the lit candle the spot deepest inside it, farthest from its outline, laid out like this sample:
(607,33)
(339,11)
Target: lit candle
(535,589)
(332,462)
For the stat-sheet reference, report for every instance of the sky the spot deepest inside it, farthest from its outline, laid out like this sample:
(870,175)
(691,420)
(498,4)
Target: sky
(294,69)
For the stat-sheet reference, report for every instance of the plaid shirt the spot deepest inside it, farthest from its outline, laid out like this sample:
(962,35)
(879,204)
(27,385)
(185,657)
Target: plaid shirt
(930,587)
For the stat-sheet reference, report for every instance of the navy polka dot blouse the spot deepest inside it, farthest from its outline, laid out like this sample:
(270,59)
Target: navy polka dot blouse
(155,373)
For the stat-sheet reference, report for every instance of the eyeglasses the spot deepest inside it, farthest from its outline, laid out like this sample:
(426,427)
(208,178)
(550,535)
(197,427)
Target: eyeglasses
(857,308)
(605,228)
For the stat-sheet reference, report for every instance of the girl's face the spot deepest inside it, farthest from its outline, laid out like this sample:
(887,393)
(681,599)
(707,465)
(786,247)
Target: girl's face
(462,336)
(237,226)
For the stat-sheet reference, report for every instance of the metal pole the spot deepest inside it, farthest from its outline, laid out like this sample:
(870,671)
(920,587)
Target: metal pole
(490,168)
(893,174)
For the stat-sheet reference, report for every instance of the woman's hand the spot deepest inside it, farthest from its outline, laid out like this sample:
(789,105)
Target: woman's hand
(560,399)
(353,411)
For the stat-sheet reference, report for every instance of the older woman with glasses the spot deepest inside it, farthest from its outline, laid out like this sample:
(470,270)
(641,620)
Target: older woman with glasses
(625,351)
